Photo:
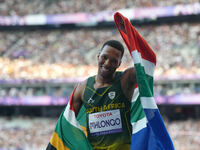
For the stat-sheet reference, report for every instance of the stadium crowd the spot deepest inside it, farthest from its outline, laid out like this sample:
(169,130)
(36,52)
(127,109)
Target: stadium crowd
(60,54)
(25,133)
(12,95)
(70,53)
(26,7)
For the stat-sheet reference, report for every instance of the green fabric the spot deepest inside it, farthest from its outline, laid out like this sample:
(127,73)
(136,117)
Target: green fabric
(144,81)
(71,135)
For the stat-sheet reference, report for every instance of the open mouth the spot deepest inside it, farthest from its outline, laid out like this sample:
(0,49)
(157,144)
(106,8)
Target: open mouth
(105,69)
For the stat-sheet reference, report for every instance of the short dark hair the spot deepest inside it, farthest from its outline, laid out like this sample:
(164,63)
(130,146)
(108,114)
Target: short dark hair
(116,44)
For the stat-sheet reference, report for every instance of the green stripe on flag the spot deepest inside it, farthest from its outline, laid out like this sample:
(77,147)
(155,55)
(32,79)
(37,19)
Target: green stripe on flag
(145,81)
(71,135)
(137,111)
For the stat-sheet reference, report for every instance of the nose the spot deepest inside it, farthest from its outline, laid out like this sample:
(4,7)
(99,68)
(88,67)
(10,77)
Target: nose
(107,63)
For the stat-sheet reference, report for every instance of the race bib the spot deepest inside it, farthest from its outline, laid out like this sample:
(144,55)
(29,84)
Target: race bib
(107,122)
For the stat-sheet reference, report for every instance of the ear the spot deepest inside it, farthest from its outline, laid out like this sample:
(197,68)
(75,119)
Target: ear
(98,56)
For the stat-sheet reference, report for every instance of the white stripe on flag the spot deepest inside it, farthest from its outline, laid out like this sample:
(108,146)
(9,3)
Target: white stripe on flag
(139,125)
(136,57)
(148,102)
(70,117)
(149,67)
(135,95)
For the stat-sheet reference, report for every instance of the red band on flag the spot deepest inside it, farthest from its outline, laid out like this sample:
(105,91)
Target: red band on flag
(70,100)
(133,40)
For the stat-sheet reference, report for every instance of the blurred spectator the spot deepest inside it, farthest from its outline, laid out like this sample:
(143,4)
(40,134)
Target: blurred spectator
(67,54)
(25,133)
(26,7)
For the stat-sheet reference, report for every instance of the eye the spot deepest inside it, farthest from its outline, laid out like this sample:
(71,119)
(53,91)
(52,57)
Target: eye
(104,57)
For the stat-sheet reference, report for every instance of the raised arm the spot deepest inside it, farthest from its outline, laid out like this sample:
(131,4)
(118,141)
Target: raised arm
(128,82)
(77,99)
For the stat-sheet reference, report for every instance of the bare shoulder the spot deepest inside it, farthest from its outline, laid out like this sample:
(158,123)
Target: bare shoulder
(128,82)
(77,99)
(80,88)
(129,76)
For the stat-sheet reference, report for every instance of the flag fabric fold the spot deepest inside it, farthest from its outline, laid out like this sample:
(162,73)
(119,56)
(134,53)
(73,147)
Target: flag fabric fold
(149,131)
(70,132)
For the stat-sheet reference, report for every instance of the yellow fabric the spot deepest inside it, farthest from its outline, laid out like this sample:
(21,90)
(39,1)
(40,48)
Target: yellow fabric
(57,142)
(84,130)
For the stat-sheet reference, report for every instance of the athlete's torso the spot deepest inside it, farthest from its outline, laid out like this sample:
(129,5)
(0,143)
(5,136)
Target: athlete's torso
(108,116)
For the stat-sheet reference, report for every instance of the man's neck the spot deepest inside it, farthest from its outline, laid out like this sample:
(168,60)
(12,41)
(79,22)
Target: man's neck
(102,82)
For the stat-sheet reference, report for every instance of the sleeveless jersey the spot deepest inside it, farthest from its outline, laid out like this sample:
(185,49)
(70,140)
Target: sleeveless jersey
(108,116)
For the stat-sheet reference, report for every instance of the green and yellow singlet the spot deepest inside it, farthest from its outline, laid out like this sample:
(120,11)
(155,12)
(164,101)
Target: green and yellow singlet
(108,116)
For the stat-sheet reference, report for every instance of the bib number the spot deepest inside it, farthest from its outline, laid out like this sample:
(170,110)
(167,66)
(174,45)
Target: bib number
(107,122)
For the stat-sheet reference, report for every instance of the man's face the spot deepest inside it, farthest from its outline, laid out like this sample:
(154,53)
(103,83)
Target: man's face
(109,59)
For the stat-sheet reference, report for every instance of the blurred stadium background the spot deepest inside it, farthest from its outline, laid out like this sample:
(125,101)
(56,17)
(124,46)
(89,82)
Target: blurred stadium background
(47,46)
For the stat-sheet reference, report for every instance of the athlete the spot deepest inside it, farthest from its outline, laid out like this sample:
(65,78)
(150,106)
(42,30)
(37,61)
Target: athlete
(107,99)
